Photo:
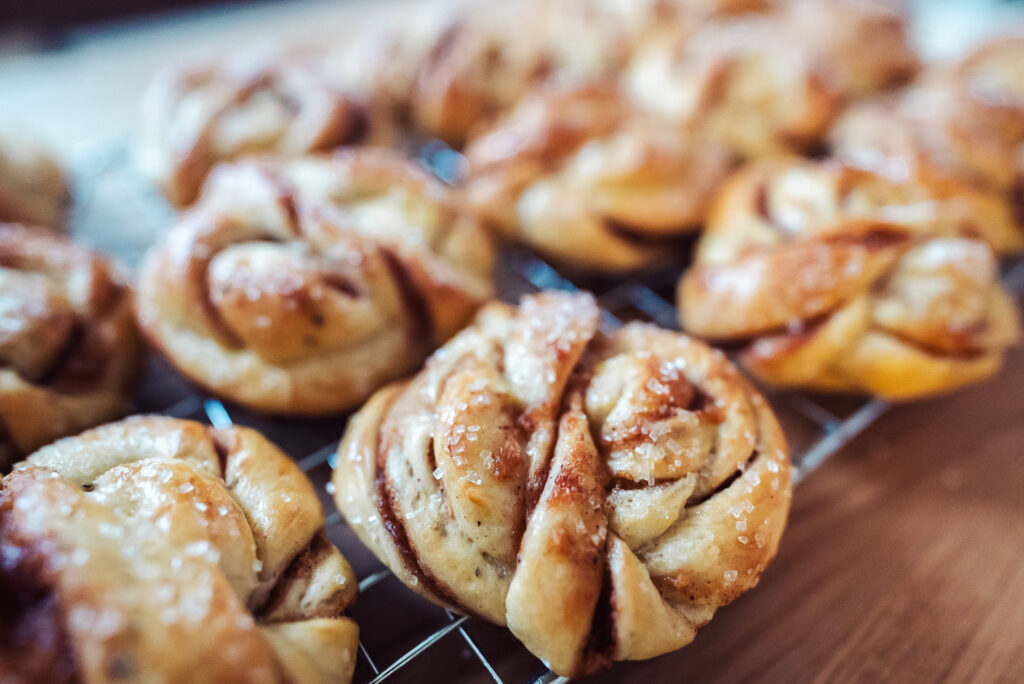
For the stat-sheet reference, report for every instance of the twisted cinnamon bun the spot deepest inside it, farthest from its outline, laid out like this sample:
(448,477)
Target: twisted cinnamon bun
(772,82)
(963,120)
(68,345)
(32,185)
(157,549)
(248,104)
(866,43)
(844,280)
(451,69)
(301,286)
(600,494)
(587,180)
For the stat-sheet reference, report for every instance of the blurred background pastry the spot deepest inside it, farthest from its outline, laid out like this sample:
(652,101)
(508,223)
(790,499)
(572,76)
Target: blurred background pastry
(68,346)
(770,82)
(584,178)
(962,120)
(248,103)
(33,188)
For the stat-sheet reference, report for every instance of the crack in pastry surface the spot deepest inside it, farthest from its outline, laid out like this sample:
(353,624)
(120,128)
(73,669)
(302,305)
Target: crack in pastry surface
(587,490)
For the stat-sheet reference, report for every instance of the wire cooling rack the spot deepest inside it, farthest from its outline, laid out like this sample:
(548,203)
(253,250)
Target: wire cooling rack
(404,638)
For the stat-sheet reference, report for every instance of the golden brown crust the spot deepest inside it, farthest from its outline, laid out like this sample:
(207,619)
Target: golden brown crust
(742,82)
(772,82)
(963,120)
(69,349)
(158,549)
(587,180)
(847,280)
(301,286)
(449,69)
(865,42)
(485,57)
(286,105)
(600,495)
(33,188)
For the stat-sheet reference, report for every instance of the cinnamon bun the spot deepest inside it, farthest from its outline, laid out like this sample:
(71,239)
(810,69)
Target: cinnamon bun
(69,350)
(601,495)
(301,286)
(839,279)
(158,549)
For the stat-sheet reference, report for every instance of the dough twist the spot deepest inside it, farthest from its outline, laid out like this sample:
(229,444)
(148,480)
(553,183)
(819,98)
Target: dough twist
(963,120)
(195,117)
(68,345)
(846,280)
(301,286)
(589,181)
(770,83)
(158,549)
(600,494)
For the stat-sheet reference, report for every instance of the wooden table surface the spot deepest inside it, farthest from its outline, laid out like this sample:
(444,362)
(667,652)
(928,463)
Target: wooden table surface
(904,557)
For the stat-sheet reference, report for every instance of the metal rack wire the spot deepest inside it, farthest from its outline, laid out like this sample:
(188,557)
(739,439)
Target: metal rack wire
(397,650)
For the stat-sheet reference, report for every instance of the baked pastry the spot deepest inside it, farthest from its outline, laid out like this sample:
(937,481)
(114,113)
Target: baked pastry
(865,42)
(450,69)
(590,182)
(744,82)
(248,104)
(499,53)
(299,287)
(599,494)
(839,279)
(963,120)
(32,185)
(68,345)
(770,83)
(379,57)
(161,550)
